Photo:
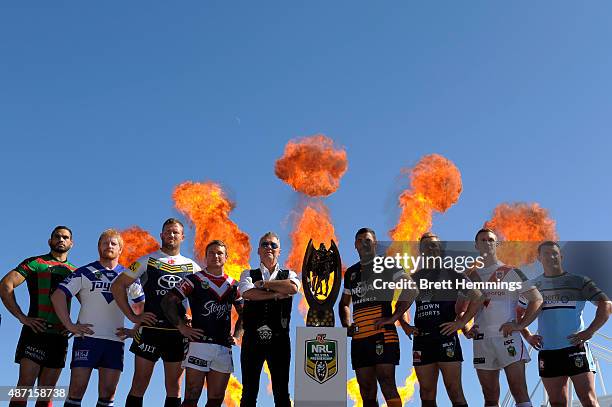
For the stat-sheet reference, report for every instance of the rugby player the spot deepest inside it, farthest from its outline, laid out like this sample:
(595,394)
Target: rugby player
(268,297)
(211,295)
(438,317)
(41,350)
(496,332)
(159,272)
(99,332)
(375,347)
(563,340)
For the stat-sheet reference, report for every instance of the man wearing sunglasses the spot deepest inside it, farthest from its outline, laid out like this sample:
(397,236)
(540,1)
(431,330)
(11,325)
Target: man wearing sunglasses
(267,292)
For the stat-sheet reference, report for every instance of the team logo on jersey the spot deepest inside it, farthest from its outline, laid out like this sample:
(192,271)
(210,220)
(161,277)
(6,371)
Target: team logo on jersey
(205,285)
(511,350)
(379,349)
(578,361)
(171,261)
(169,281)
(353,276)
(321,359)
(184,268)
(158,264)
(499,274)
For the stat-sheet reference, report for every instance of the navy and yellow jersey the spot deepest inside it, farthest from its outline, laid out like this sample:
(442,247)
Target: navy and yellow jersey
(369,303)
(435,307)
(160,273)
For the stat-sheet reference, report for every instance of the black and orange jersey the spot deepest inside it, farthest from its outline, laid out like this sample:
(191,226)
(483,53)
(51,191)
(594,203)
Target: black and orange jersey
(370,302)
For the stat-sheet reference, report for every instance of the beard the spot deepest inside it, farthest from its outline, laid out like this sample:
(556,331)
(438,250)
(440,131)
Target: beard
(59,249)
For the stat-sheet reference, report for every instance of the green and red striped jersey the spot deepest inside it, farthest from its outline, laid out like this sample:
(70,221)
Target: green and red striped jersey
(43,274)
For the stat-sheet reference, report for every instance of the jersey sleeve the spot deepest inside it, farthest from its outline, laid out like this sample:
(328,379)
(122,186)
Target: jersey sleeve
(135,292)
(590,292)
(72,284)
(196,267)
(137,268)
(520,277)
(184,289)
(27,267)
(347,282)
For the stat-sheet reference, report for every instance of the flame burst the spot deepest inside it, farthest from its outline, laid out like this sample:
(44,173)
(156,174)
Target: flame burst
(312,165)
(517,224)
(208,208)
(136,243)
(435,185)
(352,390)
(233,393)
(407,390)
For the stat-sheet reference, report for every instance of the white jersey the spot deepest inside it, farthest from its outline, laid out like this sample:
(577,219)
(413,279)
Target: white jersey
(500,304)
(91,285)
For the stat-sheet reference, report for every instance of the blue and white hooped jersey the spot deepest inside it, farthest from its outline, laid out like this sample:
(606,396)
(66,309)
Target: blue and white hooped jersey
(564,298)
(91,285)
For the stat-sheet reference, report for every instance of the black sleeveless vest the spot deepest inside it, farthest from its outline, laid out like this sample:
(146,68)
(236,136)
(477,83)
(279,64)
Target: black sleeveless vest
(276,314)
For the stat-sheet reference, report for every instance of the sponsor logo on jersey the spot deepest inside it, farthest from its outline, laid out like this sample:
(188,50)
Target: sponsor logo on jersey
(541,364)
(146,348)
(221,310)
(169,281)
(449,347)
(321,359)
(479,361)
(135,266)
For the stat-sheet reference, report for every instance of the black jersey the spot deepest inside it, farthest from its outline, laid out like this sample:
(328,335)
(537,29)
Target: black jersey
(436,306)
(159,273)
(211,299)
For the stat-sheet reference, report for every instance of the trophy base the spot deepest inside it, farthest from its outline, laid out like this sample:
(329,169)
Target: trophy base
(320,318)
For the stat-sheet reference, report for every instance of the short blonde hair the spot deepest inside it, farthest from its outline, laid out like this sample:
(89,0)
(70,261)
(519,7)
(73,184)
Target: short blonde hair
(111,233)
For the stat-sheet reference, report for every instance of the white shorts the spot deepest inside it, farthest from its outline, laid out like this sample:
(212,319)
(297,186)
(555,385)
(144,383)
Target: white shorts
(497,352)
(209,356)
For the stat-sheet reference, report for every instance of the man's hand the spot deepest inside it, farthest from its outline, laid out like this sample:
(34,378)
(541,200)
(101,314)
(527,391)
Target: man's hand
(535,340)
(124,333)
(580,337)
(410,330)
(38,325)
(80,329)
(472,332)
(259,284)
(146,319)
(351,330)
(509,327)
(384,321)
(193,334)
(449,328)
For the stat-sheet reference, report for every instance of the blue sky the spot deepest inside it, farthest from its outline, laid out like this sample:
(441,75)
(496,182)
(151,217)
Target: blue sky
(106,107)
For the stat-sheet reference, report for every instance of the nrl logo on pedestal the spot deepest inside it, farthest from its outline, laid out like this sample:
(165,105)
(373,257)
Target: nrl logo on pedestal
(321,358)
(321,274)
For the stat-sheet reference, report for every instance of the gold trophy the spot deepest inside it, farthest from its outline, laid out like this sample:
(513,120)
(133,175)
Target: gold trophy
(321,275)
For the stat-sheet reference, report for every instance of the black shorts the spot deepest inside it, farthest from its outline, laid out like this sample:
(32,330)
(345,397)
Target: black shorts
(152,343)
(568,361)
(433,349)
(372,351)
(48,350)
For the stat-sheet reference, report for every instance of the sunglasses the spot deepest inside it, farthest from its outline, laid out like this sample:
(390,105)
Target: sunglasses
(271,245)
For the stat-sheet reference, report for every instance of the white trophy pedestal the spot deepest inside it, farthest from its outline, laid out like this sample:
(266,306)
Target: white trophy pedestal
(320,367)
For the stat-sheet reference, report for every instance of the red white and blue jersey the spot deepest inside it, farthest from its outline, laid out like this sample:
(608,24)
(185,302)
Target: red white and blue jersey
(211,299)
(91,285)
